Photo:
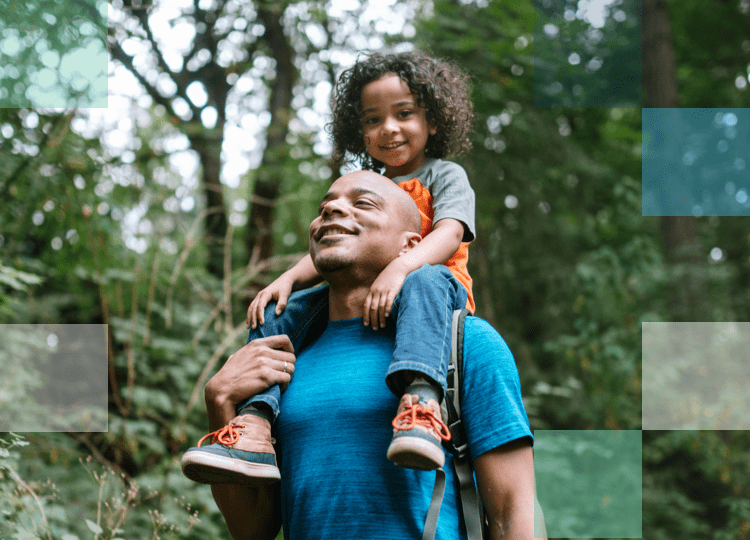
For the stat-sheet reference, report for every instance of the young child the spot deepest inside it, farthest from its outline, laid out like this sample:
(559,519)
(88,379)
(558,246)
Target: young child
(400,114)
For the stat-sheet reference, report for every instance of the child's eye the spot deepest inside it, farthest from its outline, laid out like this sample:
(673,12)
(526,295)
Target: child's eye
(370,120)
(405,113)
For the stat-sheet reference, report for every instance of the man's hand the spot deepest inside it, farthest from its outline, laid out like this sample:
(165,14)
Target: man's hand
(279,290)
(382,294)
(255,367)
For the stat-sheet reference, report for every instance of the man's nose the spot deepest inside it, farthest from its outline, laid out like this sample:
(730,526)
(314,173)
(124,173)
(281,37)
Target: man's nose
(333,206)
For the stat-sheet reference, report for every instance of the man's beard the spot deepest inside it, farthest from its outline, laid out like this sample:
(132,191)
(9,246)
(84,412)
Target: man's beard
(331,264)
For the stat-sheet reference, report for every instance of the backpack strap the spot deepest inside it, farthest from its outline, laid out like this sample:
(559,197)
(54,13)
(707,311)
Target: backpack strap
(471,504)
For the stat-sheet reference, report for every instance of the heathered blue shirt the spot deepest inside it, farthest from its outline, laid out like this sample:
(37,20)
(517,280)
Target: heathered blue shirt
(335,427)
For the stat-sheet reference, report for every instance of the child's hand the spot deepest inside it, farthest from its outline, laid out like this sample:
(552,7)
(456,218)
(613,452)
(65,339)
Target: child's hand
(279,290)
(382,294)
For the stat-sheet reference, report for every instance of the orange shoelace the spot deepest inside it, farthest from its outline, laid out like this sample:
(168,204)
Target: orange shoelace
(226,435)
(418,415)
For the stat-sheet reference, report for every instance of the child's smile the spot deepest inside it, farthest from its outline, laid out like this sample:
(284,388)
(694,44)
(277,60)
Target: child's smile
(394,126)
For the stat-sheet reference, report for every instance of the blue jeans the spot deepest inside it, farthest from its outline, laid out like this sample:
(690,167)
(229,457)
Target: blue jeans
(423,310)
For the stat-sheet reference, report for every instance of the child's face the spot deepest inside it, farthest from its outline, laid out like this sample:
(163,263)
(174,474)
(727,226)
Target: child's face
(394,126)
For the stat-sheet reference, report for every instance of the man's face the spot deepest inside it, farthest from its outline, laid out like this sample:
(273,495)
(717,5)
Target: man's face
(358,225)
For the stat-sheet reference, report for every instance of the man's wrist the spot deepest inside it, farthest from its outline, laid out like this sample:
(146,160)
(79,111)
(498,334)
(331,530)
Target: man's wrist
(220,408)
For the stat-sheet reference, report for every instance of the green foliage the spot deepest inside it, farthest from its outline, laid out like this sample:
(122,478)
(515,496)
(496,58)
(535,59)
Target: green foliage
(712,52)
(83,499)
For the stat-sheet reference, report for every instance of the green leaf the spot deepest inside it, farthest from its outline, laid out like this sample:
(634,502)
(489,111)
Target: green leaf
(93,527)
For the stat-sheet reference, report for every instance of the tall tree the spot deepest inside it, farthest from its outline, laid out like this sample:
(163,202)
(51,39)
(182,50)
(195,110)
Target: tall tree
(269,178)
(228,37)
(679,235)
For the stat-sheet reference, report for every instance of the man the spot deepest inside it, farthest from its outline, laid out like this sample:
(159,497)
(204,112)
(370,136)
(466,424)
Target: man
(336,481)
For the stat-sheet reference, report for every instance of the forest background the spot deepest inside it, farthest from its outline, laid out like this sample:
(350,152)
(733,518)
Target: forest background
(165,214)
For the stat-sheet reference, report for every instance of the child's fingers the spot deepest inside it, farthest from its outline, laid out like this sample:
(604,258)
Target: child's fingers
(386,311)
(252,320)
(381,316)
(374,308)
(366,311)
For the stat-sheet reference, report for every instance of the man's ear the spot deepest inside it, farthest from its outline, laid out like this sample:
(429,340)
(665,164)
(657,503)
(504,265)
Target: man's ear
(411,239)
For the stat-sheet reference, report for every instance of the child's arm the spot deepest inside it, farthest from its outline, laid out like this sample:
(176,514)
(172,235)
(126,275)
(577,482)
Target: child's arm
(299,276)
(435,248)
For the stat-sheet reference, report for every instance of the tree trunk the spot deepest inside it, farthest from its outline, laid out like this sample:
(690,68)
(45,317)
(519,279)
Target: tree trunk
(681,245)
(269,177)
(207,144)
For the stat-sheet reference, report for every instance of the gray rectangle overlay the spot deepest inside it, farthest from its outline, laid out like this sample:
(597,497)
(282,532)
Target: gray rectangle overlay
(696,375)
(54,377)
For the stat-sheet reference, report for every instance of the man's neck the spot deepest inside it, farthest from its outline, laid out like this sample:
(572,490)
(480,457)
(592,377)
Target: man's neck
(346,303)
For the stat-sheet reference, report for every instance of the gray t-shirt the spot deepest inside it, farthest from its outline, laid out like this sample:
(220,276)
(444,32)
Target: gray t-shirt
(452,196)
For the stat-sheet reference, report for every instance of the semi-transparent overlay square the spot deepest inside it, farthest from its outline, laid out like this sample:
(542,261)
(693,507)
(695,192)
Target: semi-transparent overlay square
(53,54)
(54,377)
(696,375)
(589,483)
(695,162)
(587,53)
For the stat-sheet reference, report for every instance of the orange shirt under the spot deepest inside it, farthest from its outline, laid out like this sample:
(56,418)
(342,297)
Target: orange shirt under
(457,263)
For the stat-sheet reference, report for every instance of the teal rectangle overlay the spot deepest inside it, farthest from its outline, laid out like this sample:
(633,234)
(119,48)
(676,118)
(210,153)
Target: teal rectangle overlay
(54,377)
(696,375)
(53,54)
(590,483)
(587,53)
(695,162)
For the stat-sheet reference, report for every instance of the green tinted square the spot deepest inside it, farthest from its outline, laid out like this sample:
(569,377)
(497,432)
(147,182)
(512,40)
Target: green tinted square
(53,54)
(589,483)
(587,54)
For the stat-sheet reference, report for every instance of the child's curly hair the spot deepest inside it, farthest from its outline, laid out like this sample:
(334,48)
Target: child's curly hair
(440,88)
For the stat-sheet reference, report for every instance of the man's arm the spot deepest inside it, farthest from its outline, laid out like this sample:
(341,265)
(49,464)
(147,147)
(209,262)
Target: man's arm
(250,513)
(505,476)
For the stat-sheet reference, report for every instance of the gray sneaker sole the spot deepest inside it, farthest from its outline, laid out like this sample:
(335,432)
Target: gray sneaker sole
(212,469)
(416,453)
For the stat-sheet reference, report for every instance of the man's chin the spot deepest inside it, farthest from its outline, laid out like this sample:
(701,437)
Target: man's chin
(330,264)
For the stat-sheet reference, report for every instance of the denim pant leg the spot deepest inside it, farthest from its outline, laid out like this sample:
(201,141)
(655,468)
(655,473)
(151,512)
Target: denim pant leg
(304,318)
(424,310)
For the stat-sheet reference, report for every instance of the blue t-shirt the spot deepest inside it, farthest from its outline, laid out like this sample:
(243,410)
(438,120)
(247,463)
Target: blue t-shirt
(335,427)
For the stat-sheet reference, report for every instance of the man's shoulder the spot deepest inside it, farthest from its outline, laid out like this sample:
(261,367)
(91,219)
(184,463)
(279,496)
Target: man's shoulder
(478,331)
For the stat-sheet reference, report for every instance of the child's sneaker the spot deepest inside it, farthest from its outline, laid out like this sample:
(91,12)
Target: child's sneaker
(419,431)
(240,453)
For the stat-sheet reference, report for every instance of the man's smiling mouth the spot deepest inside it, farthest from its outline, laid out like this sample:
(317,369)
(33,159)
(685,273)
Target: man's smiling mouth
(332,230)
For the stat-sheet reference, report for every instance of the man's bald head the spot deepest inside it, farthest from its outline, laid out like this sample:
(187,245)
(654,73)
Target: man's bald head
(404,205)
(365,222)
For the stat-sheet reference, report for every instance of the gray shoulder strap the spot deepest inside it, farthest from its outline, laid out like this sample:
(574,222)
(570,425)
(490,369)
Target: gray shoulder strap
(430,523)
(471,505)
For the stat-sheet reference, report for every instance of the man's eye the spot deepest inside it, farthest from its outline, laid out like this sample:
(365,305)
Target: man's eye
(363,202)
